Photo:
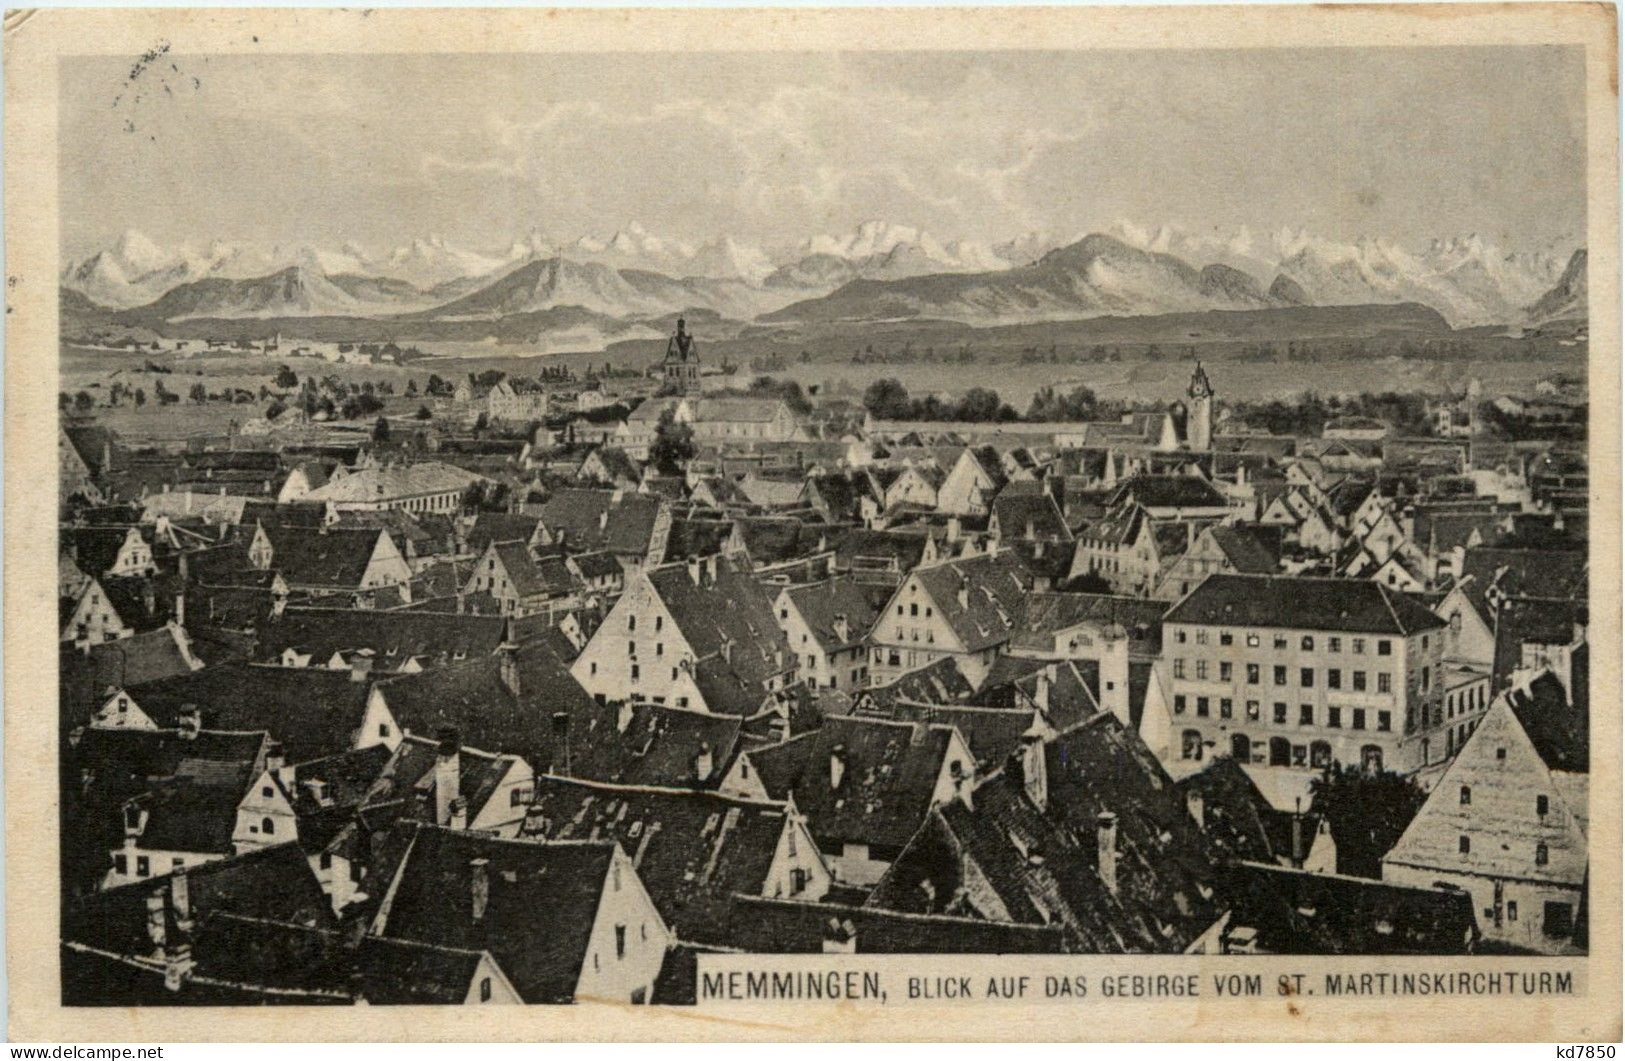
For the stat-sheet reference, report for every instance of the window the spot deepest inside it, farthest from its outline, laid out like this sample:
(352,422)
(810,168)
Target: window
(1358,644)
(1385,720)
(1225,708)
(1201,637)
(631,648)
(913,610)
(1559,920)
(1358,677)
(1190,745)
(1306,677)
(620,941)
(631,623)
(485,989)
(1280,675)
(1541,806)
(634,672)
(1179,668)
(142,866)
(1320,754)
(1334,644)
(1359,718)
(121,865)
(1201,707)
(1252,710)
(1280,714)
(1385,683)
(1464,844)
(1385,647)
(1334,678)
(1542,855)
(1306,714)
(1224,671)
(1252,674)
(1334,717)
(660,648)
(659,622)
(1307,644)
(267,826)
(1280,641)
(1226,638)
(1501,754)
(383,729)
(1201,670)
(1241,749)
(1512,911)
(1179,704)
(1252,640)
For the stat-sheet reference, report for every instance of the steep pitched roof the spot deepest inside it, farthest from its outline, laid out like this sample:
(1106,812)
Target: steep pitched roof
(1294,912)
(693,851)
(778,926)
(393,637)
(320,557)
(726,617)
(822,605)
(659,745)
(1559,730)
(941,682)
(1026,510)
(1350,605)
(994,591)
(1168,491)
(888,777)
(1252,549)
(311,712)
(395,480)
(541,904)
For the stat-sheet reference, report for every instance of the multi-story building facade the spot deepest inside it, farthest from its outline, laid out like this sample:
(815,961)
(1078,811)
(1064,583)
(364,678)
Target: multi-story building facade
(1304,672)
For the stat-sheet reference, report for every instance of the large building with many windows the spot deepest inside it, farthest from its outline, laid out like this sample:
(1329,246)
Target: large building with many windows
(1304,672)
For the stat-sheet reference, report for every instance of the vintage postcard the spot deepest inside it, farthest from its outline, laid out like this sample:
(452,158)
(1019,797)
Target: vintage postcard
(1021,523)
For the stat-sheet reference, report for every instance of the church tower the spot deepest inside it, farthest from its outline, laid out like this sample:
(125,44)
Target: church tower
(1199,425)
(682,364)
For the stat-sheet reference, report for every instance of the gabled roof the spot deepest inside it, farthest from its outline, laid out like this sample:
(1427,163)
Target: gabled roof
(334,559)
(778,926)
(693,851)
(992,732)
(1559,730)
(542,901)
(408,778)
(393,637)
(889,775)
(384,482)
(941,682)
(593,520)
(994,592)
(1168,491)
(194,809)
(1294,912)
(659,745)
(1252,549)
(726,617)
(311,712)
(1288,602)
(1050,613)
(94,549)
(1026,510)
(491,527)
(822,604)
(780,539)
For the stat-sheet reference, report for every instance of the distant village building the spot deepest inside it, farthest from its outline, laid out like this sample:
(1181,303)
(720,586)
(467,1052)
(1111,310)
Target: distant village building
(430,486)
(515,400)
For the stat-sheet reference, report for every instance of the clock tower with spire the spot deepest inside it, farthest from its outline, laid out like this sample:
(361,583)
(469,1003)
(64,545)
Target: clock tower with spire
(1199,424)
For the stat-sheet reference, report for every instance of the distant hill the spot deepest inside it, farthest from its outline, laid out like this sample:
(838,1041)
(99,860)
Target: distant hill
(1567,300)
(1096,276)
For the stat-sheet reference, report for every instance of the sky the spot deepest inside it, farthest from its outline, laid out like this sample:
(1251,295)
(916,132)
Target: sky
(1401,143)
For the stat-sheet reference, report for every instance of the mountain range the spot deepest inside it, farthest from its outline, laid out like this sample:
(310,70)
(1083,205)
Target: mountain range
(876,272)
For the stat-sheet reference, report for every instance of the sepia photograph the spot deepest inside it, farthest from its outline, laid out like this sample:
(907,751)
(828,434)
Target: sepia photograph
(688,523)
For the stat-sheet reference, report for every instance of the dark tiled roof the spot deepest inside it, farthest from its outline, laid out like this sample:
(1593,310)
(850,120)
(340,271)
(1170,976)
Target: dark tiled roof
(393,637)
(726,614)
(1526,621)
(776,926)
(1027,511)
(889,778)
(1050,613)
(822,604)
(658,746)
(1529,572)
(1351,605)
(995,591)
(335,559)
(311,712)
(941,682)
(94,549)
(1168,491)
(1235,814)
(592,520)
(1559,730)
(1294,912)
(992,732)
(693,851)
(1252,549)
(541,905)
(491,527)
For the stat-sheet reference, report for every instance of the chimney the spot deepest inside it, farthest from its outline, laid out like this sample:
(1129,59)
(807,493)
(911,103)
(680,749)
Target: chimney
(459,814)
(508,666)
(157,923)
(703,763)
(778,728)
(1296,855)
(842,628)
(964,593)
(1198,809)
(361,665)
(728,649)
(1113,678)
(623,716)
(275,760)
(561,743)
(1106,847)
(447,771)
(694,571)
(479,888)
(149,598)
(178,968)
(840,937)
(837,766)
(180,602)
(189,722)
(1029,759)
(1041,687)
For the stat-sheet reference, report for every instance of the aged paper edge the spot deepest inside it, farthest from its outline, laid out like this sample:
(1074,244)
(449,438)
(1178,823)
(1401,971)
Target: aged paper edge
(34,40)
